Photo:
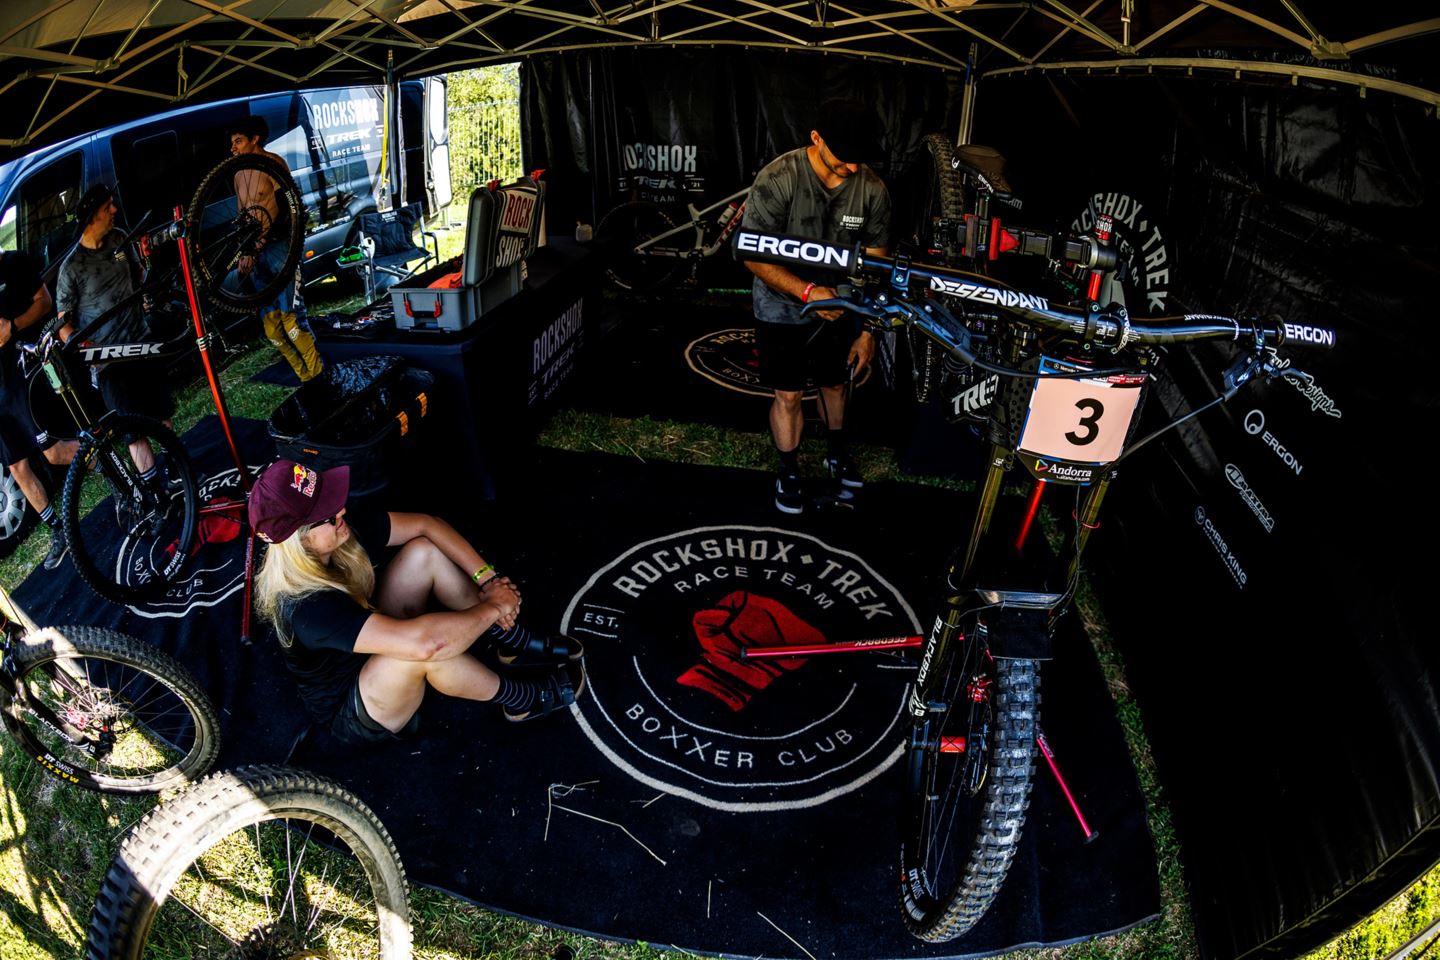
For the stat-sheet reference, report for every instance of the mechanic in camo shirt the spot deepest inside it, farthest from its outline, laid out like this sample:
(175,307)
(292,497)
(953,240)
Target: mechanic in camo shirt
(825,192)
(96,278)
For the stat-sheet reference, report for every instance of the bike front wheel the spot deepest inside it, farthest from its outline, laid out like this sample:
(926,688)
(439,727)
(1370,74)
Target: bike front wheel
(225,230)
(255,862)
(969,772)
(627,226)
(156,515)
(138,721)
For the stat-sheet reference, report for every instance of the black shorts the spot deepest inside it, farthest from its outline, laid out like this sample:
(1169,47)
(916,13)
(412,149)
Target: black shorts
(794,356)
(137,386)
(353,724)
(19,437)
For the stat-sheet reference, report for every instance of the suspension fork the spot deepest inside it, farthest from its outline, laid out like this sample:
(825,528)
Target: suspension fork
(1087,519)
(984,513)
(947,627)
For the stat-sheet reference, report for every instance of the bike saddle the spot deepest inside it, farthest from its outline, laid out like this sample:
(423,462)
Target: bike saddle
(987,163)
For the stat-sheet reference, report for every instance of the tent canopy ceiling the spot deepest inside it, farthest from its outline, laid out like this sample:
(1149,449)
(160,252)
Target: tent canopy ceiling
(69,66)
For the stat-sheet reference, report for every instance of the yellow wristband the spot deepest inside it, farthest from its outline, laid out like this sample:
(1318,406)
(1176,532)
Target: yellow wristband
(488,568)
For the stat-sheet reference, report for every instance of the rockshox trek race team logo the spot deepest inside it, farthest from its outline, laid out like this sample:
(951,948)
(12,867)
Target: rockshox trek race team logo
(729,357)
(671,701)
(215,572)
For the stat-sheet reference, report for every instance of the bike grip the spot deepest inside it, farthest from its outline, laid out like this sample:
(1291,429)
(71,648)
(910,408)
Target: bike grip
(787,251)
(1310,336)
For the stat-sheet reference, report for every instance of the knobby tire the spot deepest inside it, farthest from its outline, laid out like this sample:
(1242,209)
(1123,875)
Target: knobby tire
(215,249)
(947,201)
(169,521)
(942,896)
(96,677)
(228,808)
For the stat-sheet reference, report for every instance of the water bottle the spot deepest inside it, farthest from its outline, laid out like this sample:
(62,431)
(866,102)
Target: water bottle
(728,213)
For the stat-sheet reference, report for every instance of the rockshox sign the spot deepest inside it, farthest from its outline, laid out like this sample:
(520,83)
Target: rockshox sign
(673,703)
(728,358)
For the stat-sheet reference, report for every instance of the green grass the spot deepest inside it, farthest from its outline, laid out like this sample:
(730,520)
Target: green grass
(55,842)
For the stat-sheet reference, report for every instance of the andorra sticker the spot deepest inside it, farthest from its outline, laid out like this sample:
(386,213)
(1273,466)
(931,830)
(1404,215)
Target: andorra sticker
(729,358)
(672,702)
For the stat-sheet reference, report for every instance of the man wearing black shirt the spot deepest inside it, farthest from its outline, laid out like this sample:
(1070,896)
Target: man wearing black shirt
(24,303)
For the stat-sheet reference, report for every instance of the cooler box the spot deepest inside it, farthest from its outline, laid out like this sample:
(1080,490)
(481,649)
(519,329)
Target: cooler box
(501,230)
(363,413)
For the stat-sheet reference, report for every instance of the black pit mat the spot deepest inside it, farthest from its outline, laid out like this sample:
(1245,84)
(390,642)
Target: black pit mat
(693,799)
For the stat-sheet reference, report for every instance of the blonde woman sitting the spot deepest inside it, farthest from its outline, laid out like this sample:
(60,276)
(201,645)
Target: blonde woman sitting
(363,649)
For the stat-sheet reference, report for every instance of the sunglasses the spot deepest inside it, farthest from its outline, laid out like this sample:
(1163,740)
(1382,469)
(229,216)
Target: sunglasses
(327,520)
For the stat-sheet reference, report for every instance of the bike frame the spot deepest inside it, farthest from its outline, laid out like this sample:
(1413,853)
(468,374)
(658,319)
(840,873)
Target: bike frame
(15,625)
(699,248)
(85,422)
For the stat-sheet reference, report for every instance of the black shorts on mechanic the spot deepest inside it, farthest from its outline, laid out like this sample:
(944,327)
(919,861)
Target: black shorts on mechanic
(353,724)
(19,437)
(794,356)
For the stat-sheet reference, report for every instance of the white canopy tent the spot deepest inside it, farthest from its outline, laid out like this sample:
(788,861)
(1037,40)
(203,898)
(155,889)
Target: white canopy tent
(69,66)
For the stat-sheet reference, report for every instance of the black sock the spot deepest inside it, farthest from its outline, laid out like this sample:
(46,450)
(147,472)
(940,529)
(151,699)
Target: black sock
(835,442)
(789,460)
(510,641)
(149,475)
(47,516)
(518,695)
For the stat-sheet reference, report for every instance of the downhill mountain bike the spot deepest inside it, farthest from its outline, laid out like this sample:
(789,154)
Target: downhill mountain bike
(157,511)
(651,246)
(1071,382)
(268,862)
(100,709)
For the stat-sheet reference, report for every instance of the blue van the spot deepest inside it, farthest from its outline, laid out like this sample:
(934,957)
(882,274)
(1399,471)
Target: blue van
(332,139)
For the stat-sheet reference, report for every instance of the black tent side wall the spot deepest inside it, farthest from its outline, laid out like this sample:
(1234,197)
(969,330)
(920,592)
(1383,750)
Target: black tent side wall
(691,125)
(1257,564)
(1254,563)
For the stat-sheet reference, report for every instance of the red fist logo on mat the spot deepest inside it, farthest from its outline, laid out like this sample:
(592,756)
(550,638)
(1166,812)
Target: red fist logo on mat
(741,620)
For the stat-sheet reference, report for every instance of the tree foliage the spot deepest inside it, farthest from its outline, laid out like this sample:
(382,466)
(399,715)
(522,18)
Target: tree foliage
(499,81)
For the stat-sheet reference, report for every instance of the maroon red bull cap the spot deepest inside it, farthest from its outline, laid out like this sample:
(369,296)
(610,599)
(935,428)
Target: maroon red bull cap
(289,495)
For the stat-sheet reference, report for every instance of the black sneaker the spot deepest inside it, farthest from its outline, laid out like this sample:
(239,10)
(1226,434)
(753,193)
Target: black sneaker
(842,468)
(59,546)
(789,493)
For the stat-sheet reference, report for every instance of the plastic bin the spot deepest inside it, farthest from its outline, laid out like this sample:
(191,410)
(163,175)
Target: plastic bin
(363,413)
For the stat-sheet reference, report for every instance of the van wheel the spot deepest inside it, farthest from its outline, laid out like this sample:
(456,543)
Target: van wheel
(16,517)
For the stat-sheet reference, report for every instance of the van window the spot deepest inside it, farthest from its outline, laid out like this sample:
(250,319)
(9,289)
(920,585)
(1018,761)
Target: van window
(154,161)
(41,221)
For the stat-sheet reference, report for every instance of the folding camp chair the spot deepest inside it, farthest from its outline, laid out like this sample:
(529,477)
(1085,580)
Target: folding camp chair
(386,248)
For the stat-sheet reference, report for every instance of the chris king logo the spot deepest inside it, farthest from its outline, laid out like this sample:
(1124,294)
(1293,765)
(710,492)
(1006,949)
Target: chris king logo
(673,703)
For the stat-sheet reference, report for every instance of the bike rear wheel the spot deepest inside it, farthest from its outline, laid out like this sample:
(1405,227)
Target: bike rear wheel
(255,862)
(223,230)
(145,723)
(945,200)
(157,517)
(965,808)
(625,227)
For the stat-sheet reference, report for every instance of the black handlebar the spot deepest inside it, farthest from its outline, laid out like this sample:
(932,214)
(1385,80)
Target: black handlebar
(1103,326)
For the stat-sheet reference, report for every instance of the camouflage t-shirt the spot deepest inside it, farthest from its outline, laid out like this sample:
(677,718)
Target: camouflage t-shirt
(789,198)
(91,282)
